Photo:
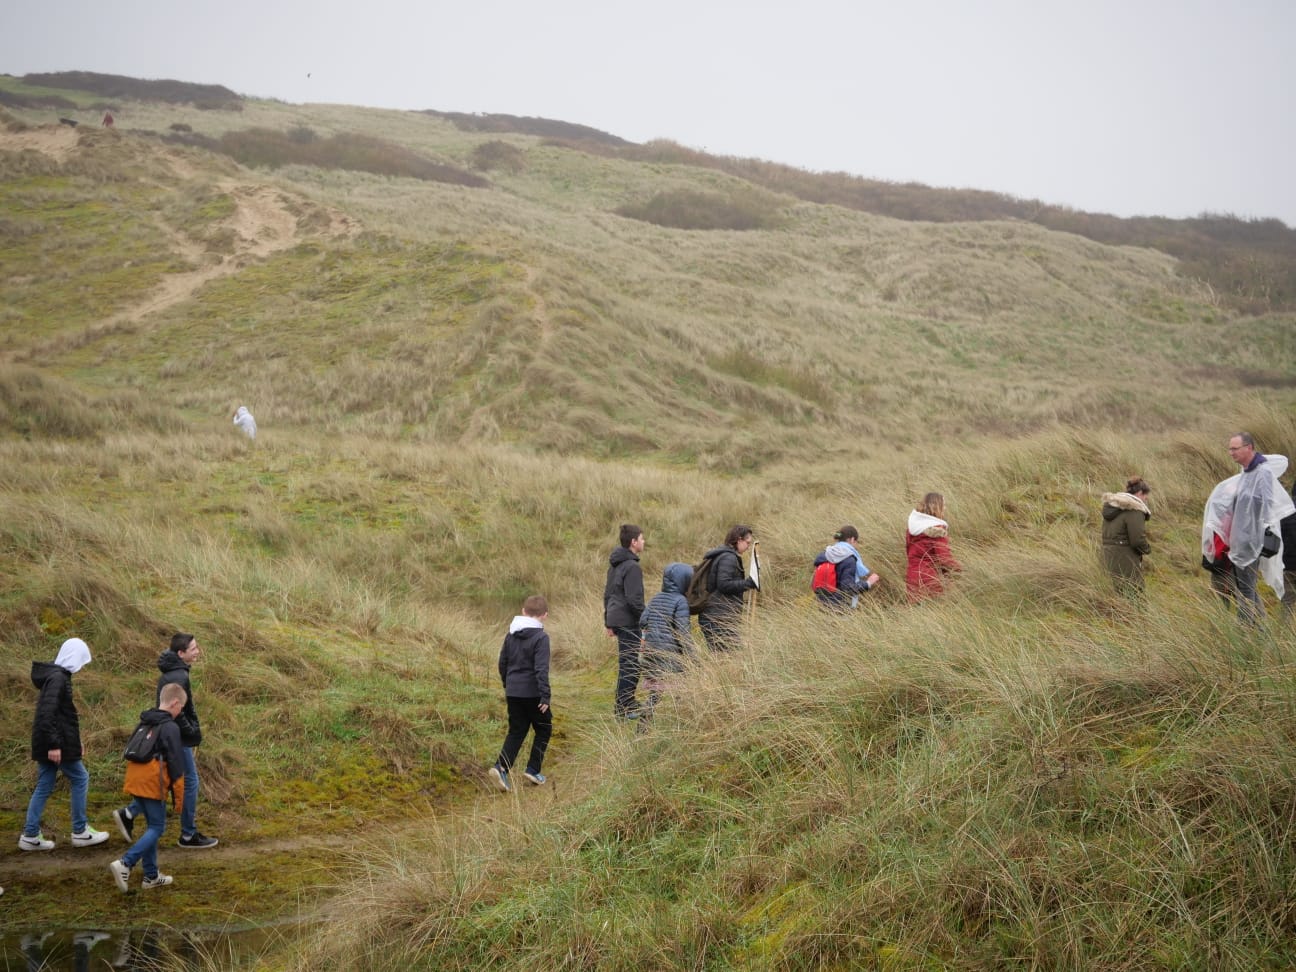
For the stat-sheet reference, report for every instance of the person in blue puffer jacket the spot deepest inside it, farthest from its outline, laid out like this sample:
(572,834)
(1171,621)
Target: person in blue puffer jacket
(667,633)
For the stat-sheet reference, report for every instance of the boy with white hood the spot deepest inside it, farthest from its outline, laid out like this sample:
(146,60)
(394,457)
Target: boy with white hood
(56,745)
(524,670)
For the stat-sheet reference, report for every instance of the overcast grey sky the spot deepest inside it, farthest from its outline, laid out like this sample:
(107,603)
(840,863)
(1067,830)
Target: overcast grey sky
(1163,107)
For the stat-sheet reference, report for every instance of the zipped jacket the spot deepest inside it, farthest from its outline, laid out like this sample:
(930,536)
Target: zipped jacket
(165,772)
(174,669)
(56,725)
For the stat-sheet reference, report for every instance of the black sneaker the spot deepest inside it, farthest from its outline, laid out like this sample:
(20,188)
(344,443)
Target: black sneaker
(125,823)
(196,841)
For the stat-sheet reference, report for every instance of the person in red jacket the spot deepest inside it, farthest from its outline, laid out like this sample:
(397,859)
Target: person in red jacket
(927,548)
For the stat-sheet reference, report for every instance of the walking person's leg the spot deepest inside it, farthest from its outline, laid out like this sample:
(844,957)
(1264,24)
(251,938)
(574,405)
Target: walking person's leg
(519,722)
(46,777)
(542,726)
(627,671)
(720,631)
(189,806)
(144,850)
(155,816)
(78,778)
(1250,610)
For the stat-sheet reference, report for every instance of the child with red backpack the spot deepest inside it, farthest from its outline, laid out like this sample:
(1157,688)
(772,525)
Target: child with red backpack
(840,572)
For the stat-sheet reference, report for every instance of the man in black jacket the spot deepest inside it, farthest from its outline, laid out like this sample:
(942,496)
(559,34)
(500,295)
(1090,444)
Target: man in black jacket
(174,663)
(623,603)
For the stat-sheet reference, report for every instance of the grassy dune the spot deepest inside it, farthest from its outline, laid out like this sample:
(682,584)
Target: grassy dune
(462,391)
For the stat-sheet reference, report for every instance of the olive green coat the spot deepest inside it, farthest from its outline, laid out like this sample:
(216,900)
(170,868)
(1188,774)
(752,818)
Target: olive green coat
(1124,537)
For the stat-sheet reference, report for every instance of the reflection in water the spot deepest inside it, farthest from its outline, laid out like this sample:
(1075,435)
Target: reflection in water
(134,951)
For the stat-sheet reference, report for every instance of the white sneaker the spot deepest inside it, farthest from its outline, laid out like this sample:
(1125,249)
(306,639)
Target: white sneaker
(89,837)
(37,843)
(162,880)
(121,874)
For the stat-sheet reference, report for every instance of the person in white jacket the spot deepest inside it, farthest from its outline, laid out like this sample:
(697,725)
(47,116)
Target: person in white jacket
(1240,511)
(244,420)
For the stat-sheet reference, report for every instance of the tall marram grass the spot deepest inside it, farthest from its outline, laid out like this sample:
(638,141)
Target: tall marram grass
(1033,771)
(942,787)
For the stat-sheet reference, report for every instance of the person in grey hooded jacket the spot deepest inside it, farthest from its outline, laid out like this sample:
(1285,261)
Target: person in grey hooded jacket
(667,633)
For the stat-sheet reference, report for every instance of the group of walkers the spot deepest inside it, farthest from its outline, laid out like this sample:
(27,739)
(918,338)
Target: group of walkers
(654,638)
(1248,532)
(170,770)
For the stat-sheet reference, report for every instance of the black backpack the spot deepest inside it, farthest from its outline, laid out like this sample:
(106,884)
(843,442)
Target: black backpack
(701,586)
(142,747)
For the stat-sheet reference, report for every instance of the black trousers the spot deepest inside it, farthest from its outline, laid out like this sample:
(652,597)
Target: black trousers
(525,715)
(627,670)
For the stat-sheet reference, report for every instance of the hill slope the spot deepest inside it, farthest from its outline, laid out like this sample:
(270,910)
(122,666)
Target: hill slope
(463,390)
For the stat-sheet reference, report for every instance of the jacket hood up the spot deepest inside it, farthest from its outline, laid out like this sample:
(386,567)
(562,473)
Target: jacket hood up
(74,655)
(676,577)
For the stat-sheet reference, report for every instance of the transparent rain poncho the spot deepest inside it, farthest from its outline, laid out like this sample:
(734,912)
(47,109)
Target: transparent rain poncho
(1240,508)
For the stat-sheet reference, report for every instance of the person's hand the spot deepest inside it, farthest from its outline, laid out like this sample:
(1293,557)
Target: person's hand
(752,585)
(872,580)
(55,756)
(610,632)
(544,707)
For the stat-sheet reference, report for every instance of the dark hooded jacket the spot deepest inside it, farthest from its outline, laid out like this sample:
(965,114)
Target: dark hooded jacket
(524,663)
(56,725)
(174,670)
(726,582)
(165,773)
(665,621)
(623,594)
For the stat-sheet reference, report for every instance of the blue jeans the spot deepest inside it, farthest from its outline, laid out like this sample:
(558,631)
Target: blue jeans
(47,775)
(145,849)
(189,806)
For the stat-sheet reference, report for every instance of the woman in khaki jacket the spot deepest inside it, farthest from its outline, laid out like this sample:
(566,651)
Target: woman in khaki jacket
(1124,534)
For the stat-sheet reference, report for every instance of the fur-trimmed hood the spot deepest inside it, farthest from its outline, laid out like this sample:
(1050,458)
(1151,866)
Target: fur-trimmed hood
(1116,503)
(926,525)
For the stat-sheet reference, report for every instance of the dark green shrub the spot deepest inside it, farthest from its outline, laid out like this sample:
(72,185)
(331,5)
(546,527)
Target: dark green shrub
(498,155)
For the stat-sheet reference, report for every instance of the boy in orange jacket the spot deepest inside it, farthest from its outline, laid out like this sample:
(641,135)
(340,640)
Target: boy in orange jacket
(149,783)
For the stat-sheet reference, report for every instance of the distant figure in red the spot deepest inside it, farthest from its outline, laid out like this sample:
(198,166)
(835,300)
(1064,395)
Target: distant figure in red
(108,119)
(927,547)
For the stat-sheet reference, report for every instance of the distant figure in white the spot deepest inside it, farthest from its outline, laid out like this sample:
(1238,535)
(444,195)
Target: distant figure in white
(244,420)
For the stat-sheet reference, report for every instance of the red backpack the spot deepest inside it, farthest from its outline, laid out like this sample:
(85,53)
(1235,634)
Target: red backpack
(825,578)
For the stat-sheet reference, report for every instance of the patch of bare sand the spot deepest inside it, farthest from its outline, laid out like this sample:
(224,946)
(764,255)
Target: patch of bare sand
(56,141)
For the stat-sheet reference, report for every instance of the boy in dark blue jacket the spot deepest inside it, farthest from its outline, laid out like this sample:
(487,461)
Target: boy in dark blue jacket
(524,670)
